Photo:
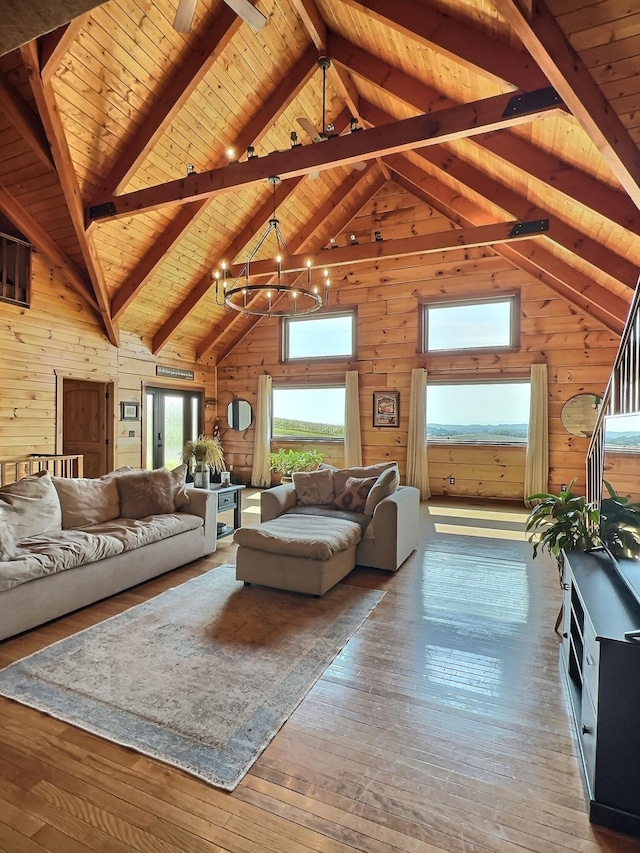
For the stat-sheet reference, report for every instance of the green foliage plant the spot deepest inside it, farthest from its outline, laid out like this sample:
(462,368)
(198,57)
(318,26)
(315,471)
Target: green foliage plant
(620,524)
(289,462)
(562,522)
(204,451)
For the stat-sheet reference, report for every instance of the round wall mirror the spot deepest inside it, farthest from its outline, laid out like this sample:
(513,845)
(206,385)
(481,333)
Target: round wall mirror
(239,414)
(579,414)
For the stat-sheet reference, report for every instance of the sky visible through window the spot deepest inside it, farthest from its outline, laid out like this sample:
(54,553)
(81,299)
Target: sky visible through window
(321,337)
(468,326)
(495,412)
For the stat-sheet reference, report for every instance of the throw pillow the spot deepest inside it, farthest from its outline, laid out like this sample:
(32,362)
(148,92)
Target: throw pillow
(354,495)
(8,548)
(85,500)
(144,493)
(341,476)
(314,488)
(386,484)
(31,506)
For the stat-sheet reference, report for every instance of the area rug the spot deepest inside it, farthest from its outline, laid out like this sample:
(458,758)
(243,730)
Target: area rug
(200,677)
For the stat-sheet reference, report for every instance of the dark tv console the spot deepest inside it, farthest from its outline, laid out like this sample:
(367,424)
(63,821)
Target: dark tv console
(602,669)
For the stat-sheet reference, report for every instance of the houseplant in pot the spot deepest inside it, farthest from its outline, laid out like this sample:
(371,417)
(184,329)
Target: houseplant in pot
(286,463)
(202,455)
(619,523)
(562,522)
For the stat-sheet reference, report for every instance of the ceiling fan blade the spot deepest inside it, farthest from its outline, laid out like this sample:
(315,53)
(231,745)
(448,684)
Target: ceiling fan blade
(360,165)
(309,129)
(184,15)
(248,12)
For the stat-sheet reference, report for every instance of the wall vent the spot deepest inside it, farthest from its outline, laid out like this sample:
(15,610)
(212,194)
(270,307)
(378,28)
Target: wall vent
(15,270)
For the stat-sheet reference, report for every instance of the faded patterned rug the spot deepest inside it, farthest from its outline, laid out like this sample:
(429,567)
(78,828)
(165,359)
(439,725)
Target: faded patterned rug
(200,677)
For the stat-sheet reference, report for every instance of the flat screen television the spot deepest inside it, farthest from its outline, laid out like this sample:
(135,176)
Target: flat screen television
(622,472)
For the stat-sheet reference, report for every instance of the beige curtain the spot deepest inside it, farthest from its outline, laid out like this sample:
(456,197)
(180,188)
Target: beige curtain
(417,470)
(261,473)
(536,471)
(352,434)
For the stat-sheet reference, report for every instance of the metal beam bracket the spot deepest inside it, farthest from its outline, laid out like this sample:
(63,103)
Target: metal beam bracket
(99,211)
(535,226)
(531,102)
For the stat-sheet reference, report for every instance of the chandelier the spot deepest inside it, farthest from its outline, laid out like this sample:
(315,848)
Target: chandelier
(287,293)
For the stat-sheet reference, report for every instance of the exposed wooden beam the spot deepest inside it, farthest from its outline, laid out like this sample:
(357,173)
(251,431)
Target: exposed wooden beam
(586,294)
(304,238)
(26,122)
(313,22)
(39,238)
(180,86)
(253,132)
(54,46)
(546,42)
(180,314)
(404,247)
(347,209)
(50,117)
(454,123)
(513,149)
(470,47)
(564,235)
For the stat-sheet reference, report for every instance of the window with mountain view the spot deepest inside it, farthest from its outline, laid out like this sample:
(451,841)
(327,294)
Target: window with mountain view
(309,413)
(490,323)
(478,412)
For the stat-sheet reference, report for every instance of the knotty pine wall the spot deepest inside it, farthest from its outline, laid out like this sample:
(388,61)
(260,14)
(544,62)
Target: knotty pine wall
(61,333)
(578,350)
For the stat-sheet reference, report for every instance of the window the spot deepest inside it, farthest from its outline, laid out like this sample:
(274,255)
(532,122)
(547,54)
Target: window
(472,324)
(622,432)
(328,336)
(309,413)
(15,270)
(478,412)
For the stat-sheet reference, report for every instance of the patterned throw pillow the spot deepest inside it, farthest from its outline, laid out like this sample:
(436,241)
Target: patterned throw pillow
(354,496)
(145,493)
(386,484)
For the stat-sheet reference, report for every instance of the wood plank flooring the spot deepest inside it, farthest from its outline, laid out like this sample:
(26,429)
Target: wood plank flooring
(442,726)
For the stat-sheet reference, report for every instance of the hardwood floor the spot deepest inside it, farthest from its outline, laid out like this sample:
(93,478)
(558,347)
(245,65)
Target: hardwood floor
(442,726)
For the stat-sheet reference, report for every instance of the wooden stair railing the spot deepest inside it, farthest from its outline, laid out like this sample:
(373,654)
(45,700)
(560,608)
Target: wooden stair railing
(58,465)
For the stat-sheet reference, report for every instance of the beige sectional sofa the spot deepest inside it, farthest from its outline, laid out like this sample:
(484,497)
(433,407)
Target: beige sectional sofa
(334,520)
(65,543)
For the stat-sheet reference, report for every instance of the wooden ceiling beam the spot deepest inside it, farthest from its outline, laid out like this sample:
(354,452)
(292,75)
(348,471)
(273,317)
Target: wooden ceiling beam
(404,247)
(253,132)
(550,170)
(54,45)
(531,257)
(339,201)
(454,123)
(181,84)
(26,122)
(50,117)
(472,48)
(511,203)
(43,243)
(258,220)
(545,40)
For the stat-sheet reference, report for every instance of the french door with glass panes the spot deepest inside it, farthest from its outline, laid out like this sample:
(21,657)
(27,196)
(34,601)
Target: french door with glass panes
(173,418)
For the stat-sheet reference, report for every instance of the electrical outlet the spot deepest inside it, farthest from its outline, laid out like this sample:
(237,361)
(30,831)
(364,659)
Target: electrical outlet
(132,433)
(452,481)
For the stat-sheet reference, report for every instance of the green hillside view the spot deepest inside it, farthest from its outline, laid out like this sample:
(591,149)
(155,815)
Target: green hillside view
(490,433)
(306,429)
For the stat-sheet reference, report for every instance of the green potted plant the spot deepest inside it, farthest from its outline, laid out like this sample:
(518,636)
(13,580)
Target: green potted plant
(562,522)
(286,463)
(619,523)
(201,456)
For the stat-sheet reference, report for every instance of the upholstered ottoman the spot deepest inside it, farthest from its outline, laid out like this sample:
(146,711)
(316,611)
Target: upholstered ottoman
(298,552)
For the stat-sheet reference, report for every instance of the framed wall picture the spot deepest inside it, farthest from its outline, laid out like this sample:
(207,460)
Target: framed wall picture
(386,408)
(129,411)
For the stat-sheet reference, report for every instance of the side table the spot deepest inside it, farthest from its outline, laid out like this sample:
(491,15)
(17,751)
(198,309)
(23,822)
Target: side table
(229,497)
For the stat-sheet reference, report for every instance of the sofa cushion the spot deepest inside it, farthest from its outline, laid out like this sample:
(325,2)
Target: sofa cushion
(314,487)
(341,476)
(8,549)
(331,512)
(354,495)
(136,532)
(386,484)
(309,537)
(53,552)
(145,493)
(31,505)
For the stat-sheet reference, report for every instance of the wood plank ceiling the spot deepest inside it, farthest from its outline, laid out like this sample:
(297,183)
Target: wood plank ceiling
(490,111)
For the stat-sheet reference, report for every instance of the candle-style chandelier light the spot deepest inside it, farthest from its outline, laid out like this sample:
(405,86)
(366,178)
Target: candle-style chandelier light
(288,292)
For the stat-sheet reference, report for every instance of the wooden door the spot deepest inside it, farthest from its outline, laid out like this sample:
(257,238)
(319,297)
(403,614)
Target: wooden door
(84,423)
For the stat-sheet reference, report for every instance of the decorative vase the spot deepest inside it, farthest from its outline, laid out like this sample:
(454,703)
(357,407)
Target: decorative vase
(201,475)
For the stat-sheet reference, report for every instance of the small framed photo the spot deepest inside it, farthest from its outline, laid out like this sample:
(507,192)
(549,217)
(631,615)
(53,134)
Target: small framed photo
(129,411)
(386,408)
